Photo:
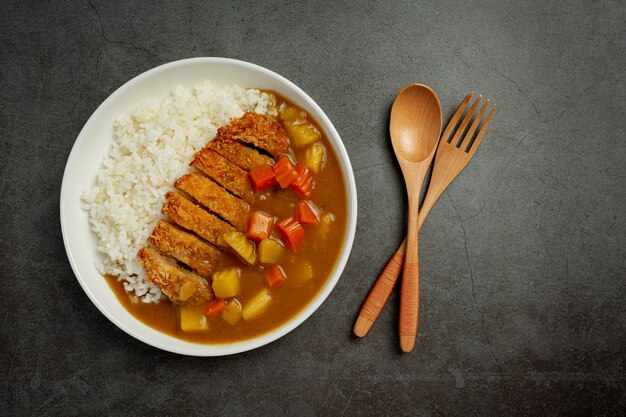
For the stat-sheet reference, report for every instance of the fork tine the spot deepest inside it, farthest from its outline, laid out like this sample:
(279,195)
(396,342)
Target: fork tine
(466,141)
(457,136)
(455,118)
(482,132)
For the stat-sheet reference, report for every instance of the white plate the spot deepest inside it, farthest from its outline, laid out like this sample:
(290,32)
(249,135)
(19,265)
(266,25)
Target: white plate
(93,144)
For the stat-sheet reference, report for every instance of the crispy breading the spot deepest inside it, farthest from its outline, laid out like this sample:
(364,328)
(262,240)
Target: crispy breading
(178,284)
(257,130)
(185,247)
(239,154)
(224,172)
(215,198)
(193,217)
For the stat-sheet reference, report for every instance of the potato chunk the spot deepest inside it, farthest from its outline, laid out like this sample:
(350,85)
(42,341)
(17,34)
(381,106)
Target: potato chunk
(270,251)
(302,270)
(256,304)
(192,318)
(326,219)
(302,134)
(291,114)
(186,291)
(226,283)
(241,246)
(315,157)
(232,313)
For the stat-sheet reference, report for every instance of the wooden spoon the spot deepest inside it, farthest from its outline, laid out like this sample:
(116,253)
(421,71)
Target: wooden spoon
(415,129)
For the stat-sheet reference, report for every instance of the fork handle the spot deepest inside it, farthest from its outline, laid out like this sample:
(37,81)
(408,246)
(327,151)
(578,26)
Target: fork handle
(380,292)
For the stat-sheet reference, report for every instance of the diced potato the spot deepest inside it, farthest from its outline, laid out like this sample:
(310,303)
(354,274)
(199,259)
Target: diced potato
(270,251)
(241,246)
(302,134)
(315,157)
(291,114)
(186,291)
(232,313)
(326,219)
(256,304)
(221,242)
(192,318)
(302,271)
(226,283)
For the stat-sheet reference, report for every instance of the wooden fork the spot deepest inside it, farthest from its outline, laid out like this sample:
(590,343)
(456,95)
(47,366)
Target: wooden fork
(453,154)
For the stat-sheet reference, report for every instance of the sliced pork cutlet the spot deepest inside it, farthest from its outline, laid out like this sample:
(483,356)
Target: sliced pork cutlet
(185,247)
(215,198)
(238,153)
(178,284)
(257,130)
(193,217)
(224,172)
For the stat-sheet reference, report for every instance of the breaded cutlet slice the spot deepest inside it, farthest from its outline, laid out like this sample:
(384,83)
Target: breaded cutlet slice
(178,284)
(257,130)
(239,154)
(215,198)
(185,247)
(193,217)
(224,172)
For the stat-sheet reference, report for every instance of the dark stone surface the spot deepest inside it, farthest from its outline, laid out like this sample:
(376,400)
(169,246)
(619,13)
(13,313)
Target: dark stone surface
(523,259)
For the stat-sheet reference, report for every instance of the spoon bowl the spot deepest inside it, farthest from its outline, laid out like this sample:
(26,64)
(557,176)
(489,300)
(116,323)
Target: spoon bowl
(415,123)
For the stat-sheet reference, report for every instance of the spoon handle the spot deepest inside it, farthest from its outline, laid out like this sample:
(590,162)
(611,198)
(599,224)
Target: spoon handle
(410,289)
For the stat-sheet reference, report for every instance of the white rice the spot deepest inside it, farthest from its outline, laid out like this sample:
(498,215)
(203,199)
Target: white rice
(153,147)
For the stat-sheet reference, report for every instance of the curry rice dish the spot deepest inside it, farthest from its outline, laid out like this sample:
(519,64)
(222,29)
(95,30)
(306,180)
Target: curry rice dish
(251,233)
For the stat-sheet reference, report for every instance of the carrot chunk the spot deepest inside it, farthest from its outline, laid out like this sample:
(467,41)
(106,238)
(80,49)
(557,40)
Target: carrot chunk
(215,308)
(292,231)
(275,276)
(303,185)
(307,212)
(285,172)
(259,225)
(262,178)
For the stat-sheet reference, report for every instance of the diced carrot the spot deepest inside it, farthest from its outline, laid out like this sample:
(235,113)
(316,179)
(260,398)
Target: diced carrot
(292,231)
(307,213)
(303,185)
(262,178)
(215,308)
(285,171)
(259,225)
(275,276)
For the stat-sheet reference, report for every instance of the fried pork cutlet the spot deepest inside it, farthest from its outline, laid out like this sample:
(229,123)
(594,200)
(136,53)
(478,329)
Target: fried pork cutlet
(192,217)
(257,130)
(185,247)
(239,154)
(215,198)
(178,284)
(224,172)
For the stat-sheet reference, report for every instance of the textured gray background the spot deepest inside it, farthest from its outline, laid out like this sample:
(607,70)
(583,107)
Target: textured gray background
(523,258)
